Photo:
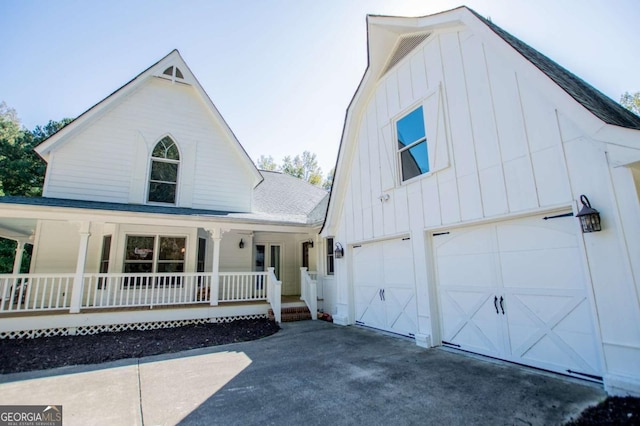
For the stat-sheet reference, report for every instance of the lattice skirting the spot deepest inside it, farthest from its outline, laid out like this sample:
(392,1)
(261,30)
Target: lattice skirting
(108,328)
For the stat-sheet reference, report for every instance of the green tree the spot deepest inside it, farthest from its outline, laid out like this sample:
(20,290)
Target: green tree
(21,169)
(631,101)
(7,254)
(303,167)
(266,163)
(328,182)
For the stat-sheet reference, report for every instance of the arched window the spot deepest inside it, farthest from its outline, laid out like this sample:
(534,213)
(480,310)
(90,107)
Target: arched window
(163,178)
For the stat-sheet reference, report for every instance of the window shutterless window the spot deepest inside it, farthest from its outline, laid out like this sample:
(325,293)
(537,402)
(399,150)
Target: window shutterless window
(163,179)
(413,155)
(148,254)
(329,256)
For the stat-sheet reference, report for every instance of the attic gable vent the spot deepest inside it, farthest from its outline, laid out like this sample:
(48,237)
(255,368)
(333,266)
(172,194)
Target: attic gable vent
(171,70)
(404,47)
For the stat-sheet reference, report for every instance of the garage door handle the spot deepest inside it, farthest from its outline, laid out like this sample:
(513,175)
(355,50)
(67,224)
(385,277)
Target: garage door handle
(380,294)
(501,305)
(383,298)
(495,303)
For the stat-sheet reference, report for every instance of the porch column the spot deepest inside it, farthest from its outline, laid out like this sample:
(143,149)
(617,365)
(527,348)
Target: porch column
(215,266)
(17,262)
(78,280)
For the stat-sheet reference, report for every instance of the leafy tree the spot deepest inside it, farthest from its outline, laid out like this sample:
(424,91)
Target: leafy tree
(328,182)
(21,169)
(267,163)
(7,253)
(303,167)
(631,102)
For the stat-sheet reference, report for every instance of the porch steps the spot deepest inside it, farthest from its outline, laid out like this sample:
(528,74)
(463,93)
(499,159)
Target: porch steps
(294,313)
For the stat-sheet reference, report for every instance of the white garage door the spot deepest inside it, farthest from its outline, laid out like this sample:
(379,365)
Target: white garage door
(516,290)
(384,286)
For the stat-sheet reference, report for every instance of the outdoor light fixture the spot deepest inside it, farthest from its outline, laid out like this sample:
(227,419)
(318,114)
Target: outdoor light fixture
(241,245)
(589,217)
(310,242)
(338,252)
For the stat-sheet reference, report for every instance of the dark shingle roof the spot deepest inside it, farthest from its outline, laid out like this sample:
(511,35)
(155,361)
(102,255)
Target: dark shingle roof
(280,193)
(588,96)
(99,205)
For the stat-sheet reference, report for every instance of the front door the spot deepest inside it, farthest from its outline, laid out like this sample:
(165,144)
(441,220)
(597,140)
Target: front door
(267,255)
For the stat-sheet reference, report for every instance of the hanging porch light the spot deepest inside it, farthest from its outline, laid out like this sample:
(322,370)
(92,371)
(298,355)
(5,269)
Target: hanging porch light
(589,217)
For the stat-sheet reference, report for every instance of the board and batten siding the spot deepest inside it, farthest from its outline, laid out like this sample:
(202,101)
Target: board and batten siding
(494,143)
(109,160)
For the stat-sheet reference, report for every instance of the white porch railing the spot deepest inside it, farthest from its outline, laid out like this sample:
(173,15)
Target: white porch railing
(274,294)
(35,292)
(126,290)
(243,286)
(46,292)
(309,291)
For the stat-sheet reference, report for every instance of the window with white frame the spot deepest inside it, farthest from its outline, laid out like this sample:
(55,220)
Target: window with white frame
(163,177)
(413,155)
(147,254)
(330,257)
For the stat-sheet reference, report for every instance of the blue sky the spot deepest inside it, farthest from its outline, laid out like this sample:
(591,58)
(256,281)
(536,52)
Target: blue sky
(281,72)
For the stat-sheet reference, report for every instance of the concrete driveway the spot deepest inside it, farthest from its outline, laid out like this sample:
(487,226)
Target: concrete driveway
(311,372)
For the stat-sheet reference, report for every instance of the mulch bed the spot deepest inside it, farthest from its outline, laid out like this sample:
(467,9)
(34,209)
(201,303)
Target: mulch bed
(612,411)
(43,353)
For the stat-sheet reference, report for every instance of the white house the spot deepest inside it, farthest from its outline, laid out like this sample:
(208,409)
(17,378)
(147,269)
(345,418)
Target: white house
(464,157)
(152,215)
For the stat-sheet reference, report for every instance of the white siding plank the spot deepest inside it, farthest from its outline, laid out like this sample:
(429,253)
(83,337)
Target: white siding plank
(521,191)
(470,199)
(431,201)
(418,75)
(540,118)
(552,180)
(506,103)
(401,205)
(493,189)
(462,138)
(404,85)
(483,120)
(393,97)
(387,158)
(449,201)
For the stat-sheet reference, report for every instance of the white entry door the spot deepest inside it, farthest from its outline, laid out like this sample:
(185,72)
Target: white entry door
(516,290)
(384,286)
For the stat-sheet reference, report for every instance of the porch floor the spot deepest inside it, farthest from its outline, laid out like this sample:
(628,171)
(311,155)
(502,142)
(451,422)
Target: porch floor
(287,301)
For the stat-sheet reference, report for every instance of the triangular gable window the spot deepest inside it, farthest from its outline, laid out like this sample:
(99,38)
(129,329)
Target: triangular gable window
(173,72)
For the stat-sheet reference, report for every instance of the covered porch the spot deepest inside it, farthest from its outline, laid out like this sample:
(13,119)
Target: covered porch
(103,268)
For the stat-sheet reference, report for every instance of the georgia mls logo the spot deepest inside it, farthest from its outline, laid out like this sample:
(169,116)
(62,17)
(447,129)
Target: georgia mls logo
(30,415)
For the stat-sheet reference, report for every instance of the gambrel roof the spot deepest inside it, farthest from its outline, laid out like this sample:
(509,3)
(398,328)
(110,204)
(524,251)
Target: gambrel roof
(391,38)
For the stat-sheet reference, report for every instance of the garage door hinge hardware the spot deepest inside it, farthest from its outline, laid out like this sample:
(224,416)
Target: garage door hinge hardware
(591,376)
(440,233)
(356,246)
(450,344)
(557,216)
(407,238)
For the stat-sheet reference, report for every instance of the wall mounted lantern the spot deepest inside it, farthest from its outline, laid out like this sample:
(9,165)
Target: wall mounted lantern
(338,252)
(241,245)
(310,242)
(589,217)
